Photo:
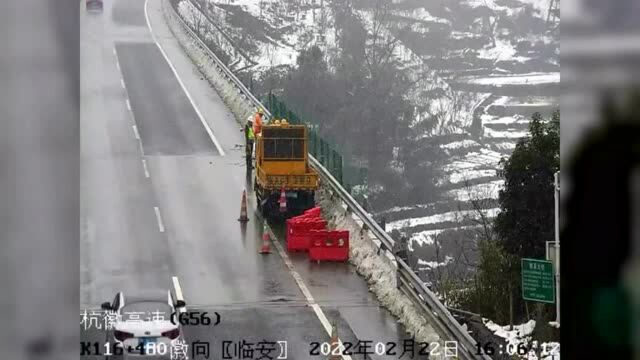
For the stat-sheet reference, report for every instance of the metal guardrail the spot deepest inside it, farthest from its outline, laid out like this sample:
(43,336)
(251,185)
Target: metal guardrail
(199,7)
(410,284)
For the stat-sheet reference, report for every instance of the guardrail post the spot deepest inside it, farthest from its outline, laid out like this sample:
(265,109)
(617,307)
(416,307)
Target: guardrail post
(401,252)
(338,165)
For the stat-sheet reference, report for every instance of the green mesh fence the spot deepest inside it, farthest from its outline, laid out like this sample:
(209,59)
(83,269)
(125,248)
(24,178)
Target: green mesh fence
(320,148)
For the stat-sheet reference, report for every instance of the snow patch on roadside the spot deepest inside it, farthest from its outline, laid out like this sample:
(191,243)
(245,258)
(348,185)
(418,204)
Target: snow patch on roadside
(378,270)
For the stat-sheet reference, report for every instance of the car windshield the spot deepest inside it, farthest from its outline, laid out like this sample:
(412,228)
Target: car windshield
(146,311)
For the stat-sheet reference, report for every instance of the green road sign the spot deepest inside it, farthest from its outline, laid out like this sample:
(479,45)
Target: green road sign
(538,282)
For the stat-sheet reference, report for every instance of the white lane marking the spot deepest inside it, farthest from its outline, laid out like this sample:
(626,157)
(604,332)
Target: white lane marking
(135,132)
(305,291)
(135,128)
(144,166)
(178,290)
(184,88)
(159,218)
(141,147)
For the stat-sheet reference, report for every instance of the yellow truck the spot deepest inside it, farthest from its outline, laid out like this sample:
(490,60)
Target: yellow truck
(282,160)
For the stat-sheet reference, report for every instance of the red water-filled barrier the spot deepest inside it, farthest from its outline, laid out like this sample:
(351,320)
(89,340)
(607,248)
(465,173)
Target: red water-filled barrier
(298,232)
(329,245)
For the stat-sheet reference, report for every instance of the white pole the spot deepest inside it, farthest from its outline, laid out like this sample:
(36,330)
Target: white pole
(556,193)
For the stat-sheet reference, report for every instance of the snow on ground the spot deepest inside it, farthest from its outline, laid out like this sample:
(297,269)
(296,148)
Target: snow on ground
(481,158)
(427,237)
(533,100)
(510,134)
(503,51)
(505,145)
(456,107)
(405,208)
(541,6)
(461,166)
(515,336)
(450,216)
(300,24)
(490,119)
(421,15)
(192,16)
(459,144)
(521,334)
(470,174)
(502,100)
(457,35)
(520,79)
(488,190)
(430,265)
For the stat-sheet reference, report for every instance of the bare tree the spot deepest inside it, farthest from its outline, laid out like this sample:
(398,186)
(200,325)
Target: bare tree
(382,45)
(489,27)
(480,201)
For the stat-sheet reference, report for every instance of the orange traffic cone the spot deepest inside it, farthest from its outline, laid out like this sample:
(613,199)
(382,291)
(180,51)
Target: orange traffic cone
(283,200)
(243,208)
(266,248)
(335,343)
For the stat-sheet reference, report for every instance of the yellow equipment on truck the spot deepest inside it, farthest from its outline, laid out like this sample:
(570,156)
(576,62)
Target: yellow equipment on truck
(282,160)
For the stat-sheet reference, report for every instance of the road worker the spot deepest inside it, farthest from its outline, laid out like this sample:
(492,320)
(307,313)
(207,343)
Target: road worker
(257,123)
(249,138)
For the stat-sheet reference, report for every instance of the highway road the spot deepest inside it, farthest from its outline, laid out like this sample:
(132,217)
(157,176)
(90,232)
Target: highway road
(162,173)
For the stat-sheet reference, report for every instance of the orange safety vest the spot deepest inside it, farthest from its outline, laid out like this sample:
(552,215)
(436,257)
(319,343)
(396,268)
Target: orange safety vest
(257,125)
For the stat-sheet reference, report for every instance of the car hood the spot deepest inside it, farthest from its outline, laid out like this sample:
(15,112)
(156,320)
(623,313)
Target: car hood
(145,328)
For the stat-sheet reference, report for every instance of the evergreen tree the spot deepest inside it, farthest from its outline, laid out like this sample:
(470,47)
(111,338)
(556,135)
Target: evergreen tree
(521,228)
(526,218)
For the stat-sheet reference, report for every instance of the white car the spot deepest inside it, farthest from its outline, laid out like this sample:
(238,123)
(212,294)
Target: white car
(143,326)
